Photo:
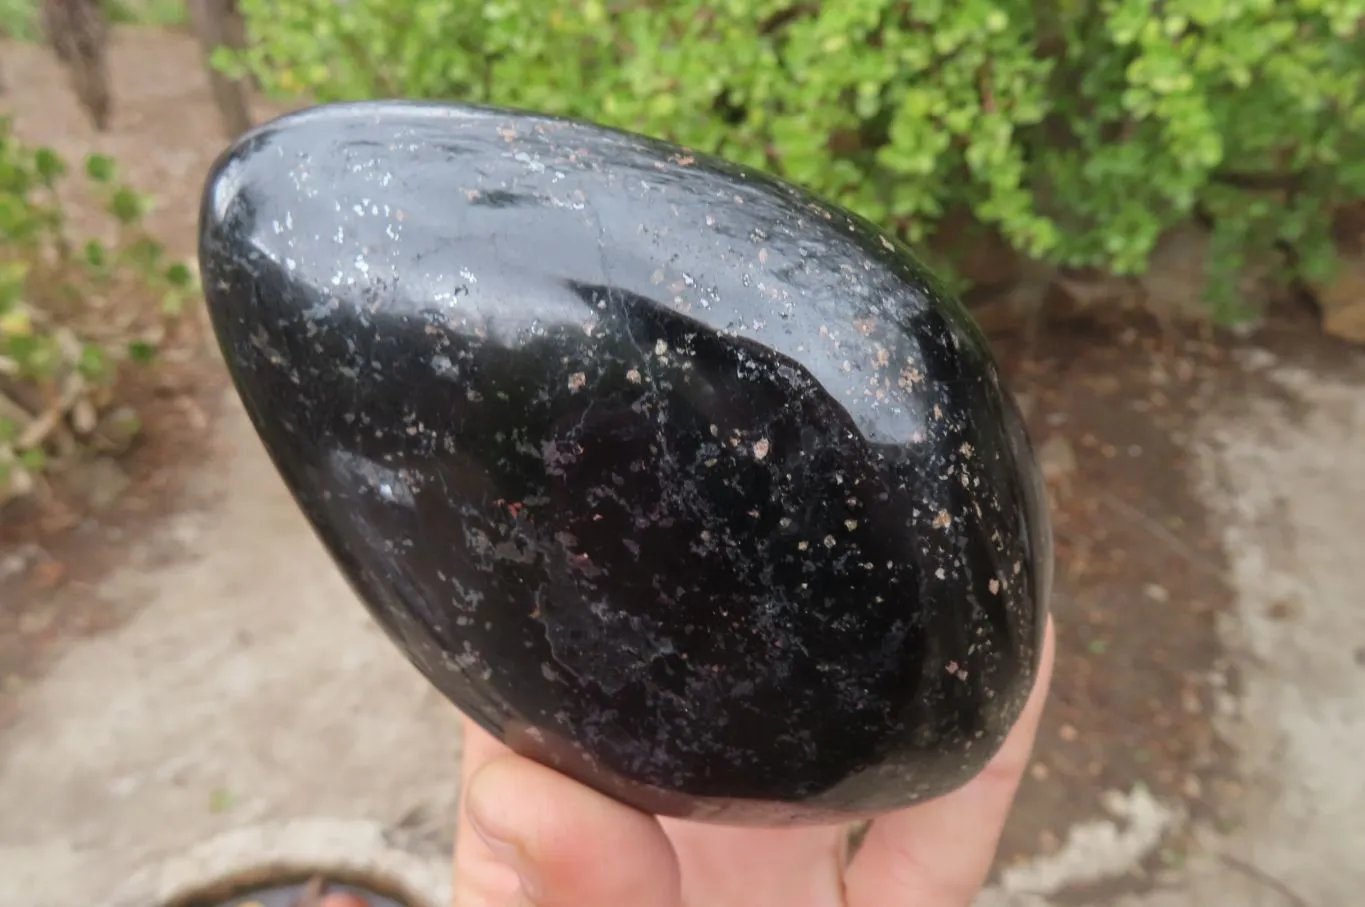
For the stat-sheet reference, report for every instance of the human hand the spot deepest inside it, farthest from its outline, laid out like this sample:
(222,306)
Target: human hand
(531,837)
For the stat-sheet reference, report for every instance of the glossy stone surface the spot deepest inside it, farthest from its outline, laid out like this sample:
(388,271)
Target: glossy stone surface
(668,474)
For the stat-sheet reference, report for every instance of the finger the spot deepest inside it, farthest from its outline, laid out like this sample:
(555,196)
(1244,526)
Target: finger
(758,867)
(481,879)
(569,845)
(342,899)
(938,854)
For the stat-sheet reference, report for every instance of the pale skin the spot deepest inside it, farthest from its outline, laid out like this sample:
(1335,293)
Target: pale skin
(530,837)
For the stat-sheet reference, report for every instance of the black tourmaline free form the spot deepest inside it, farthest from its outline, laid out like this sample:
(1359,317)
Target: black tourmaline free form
(665,472)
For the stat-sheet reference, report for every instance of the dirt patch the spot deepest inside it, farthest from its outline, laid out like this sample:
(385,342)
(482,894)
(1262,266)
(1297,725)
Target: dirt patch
(53,553)
(1139,575)
(1141,583)
(163,136)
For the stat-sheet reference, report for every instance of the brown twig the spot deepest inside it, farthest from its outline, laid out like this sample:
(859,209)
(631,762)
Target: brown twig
(38,430)
(1264,878)
(13,410)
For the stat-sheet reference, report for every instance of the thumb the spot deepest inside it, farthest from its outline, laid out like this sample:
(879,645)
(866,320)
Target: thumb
(569,845)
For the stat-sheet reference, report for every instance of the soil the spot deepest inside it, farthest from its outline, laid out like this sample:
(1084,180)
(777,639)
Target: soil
(1139,574)
(163,136)
(1140,579)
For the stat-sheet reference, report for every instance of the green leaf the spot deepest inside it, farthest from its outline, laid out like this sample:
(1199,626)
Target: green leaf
(127,206)
(141,351)
(100,168)
(145,254)
(94,254)
(93,363)
(179,275)
(50,167)
(229,62)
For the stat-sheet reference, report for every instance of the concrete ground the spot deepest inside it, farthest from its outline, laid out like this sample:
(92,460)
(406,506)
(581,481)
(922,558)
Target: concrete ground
(1284,474)
(250,689)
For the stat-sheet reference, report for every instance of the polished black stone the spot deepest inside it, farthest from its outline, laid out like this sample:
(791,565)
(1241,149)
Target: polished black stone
(667,473)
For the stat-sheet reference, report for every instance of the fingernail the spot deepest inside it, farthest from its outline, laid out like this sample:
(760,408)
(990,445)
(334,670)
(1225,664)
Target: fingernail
(509,854)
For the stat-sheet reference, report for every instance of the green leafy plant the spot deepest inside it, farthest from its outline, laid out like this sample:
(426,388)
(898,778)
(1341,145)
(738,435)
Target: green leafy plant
(19,19)
(1081,131)
(63,338)
(155,13)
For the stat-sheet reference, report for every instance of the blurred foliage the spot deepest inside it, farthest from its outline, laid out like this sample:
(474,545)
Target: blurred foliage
(1081,130)
(19,18)
(67,327)
(161,13)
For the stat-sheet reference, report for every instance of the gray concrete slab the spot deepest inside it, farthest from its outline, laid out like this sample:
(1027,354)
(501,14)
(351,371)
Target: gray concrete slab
(249,688)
